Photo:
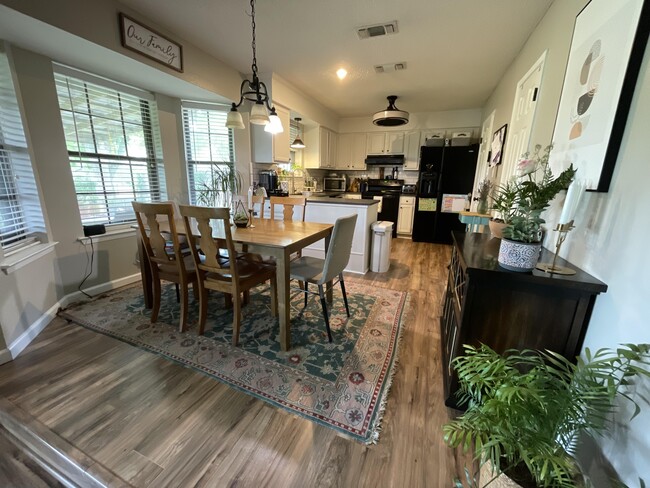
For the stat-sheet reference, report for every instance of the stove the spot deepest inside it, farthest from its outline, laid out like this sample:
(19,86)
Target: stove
(387,192)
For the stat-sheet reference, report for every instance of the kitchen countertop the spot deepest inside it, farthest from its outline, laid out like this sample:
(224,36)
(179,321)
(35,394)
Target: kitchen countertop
(342,201)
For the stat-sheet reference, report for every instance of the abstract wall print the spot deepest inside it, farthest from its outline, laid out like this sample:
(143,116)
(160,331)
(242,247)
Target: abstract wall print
(498,143)
(609,40)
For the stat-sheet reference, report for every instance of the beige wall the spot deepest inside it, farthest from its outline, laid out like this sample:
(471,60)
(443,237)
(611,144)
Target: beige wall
(611,236)
(451,119)
(97,22)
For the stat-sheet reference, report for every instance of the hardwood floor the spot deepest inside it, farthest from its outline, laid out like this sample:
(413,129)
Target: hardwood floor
(155,423)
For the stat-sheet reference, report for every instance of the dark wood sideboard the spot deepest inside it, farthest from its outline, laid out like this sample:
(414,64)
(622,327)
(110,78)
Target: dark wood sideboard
(486,304)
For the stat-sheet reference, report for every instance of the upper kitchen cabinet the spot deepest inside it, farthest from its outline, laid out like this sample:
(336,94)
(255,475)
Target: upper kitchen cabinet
(271,148)
(351,151)
(321,148)
(379,143)
(281,141)
(412,151)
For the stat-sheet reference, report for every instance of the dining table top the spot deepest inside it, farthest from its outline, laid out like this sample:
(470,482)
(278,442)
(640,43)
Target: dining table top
(275,233)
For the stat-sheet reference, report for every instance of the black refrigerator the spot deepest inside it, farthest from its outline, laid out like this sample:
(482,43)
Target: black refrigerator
(446,177)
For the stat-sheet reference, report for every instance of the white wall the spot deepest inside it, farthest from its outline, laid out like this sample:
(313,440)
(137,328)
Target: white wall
(611,238)
(610,241)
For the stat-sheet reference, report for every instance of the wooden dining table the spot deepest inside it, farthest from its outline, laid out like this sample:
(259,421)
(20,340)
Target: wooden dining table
(268,237)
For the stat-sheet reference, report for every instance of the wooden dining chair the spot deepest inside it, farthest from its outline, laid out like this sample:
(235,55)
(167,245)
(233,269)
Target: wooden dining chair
(258,206)
(288,204)
(238,276)
(321,271)
(168,258)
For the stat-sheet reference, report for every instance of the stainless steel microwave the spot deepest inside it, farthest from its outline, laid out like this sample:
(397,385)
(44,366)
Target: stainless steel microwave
(331,183)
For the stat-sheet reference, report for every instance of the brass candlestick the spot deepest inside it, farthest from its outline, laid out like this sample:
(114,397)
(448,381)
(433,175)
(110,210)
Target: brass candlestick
(250,218)
(562,230)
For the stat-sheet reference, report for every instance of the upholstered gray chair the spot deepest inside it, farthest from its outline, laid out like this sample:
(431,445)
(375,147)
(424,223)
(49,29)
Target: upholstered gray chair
(320,271)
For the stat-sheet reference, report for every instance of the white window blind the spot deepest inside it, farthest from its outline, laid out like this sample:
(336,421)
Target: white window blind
(209,150)
(114,146)
(20,208)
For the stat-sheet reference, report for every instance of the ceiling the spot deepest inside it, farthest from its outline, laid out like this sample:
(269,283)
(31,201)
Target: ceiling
(455,50)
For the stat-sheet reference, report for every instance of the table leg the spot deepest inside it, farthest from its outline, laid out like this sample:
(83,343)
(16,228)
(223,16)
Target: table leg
(284,310)
(145,273)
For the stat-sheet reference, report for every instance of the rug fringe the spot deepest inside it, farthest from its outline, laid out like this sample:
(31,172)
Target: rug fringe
(383,402)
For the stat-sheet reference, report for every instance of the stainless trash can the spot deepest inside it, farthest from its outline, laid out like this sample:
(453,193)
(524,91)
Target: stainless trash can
(381,241)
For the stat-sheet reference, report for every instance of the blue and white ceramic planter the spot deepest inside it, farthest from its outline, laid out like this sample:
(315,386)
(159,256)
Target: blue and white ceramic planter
(519,256)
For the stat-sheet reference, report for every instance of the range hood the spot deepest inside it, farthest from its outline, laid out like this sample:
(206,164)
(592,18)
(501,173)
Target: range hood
(385,160)
(392,116)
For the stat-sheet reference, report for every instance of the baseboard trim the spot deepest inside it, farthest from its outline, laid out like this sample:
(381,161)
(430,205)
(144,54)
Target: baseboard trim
(23,340)
(98,289)
(17,346)
(5,356)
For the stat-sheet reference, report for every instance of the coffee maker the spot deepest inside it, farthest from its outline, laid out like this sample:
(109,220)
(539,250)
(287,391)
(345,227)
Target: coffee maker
(269,180)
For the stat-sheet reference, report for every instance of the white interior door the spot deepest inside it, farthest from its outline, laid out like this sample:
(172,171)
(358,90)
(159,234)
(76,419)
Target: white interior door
(482,164)
(523,116)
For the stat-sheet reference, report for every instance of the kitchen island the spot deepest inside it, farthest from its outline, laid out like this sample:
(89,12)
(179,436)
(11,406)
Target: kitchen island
(326,210)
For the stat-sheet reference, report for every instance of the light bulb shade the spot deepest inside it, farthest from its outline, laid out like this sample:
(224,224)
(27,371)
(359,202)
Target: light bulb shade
(297,144)
(234,120)
(275,125)
(258,114)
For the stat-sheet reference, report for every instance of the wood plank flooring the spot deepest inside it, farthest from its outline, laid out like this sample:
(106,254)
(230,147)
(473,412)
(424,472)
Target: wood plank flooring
(155,423)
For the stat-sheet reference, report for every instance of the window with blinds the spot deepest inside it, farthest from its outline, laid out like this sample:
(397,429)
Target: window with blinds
(209,151)
(113,142)
(21,218)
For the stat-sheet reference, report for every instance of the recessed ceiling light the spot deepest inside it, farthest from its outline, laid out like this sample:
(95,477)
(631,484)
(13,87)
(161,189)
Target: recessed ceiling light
(341,73)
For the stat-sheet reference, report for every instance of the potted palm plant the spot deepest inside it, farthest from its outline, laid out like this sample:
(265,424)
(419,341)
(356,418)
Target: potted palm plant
(503,204)
(526,409)
(219,187)
(522,236)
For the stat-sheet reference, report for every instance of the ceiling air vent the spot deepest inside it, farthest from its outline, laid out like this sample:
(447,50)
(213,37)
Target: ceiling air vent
(377,30)
(387,68)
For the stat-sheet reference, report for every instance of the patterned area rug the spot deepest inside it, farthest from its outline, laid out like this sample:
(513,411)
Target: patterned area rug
(343,385)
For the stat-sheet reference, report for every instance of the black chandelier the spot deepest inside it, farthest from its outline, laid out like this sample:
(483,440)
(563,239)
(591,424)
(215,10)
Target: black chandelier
(255,91)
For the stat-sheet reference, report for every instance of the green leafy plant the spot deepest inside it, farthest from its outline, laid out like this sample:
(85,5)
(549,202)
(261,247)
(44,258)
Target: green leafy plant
(526,408)
(218,190)
(532,195)
(503,202)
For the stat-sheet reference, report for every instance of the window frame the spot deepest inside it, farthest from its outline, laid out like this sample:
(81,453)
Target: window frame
(193,164)
(102,161)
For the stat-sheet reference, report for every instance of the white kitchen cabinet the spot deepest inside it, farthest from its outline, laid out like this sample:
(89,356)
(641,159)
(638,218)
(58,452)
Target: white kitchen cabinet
(412,151)
(379,143)
(281,142)
(376,143)
(320,148)
(405,215)
(271,148)
(333,152)
(394,143)
(351,151)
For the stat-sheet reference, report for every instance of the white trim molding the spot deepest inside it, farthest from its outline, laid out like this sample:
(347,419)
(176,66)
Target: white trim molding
(23,257)
(17,346)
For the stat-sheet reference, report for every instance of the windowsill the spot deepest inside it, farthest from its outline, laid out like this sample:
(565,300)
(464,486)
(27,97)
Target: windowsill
(115,233)
(25,256)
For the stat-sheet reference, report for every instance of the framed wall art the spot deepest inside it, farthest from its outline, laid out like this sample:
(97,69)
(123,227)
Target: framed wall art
(498,143)
(147,42)
(607,48)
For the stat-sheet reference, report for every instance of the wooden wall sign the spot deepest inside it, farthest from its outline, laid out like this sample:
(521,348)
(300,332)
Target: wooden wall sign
(146,41)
